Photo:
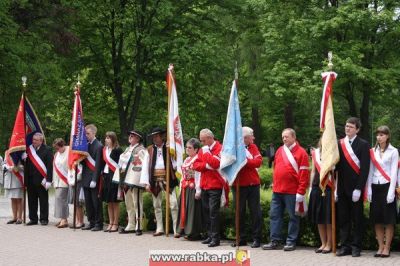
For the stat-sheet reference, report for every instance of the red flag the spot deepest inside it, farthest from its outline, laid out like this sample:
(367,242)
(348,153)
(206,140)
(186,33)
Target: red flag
(18,137)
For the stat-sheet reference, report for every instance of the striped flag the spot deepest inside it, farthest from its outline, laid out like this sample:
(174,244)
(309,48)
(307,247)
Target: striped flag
(329,145)
(78,142)
(174,123)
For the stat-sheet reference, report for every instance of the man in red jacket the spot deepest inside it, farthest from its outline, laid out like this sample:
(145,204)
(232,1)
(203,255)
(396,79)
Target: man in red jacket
(211,184)
(249,182)
(290,181)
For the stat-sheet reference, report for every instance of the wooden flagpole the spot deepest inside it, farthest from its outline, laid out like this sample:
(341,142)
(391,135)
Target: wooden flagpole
(25,172)
(237,198)
(168,161)
(333,208)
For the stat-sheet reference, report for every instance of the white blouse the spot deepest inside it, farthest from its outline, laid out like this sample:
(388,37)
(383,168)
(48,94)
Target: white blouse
(61,161)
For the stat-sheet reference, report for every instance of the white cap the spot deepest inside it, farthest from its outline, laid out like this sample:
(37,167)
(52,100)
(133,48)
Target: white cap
(247,131)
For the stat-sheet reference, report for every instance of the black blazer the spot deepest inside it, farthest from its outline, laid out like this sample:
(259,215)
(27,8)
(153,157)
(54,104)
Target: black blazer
(349,180)
(115,153)
(33,176)
(95,150)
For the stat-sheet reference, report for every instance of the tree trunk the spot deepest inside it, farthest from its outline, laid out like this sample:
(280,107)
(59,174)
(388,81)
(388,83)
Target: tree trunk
(364,114)
(288,115)
(256,124)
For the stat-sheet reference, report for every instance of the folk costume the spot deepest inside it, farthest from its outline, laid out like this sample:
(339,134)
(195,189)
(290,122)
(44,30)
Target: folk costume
(353,168)
(212,184)
(93,203)
(290,181)
(249,183)
(60,183)
(39,171)
(381,185)
(190,209)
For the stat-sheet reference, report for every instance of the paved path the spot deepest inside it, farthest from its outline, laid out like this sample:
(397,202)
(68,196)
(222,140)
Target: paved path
(47,245)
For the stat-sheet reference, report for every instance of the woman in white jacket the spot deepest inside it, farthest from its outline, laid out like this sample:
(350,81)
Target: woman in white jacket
(381,184)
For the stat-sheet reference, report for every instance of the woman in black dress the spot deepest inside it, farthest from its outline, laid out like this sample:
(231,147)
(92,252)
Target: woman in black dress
(109,163)
(319,211)
(189,216)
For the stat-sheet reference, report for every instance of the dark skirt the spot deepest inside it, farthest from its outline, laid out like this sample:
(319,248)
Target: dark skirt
(109,190)
(380,212)
(319,207)
(192,224)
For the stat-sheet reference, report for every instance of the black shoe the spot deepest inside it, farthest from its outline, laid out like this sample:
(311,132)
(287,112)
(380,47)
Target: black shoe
(96,228)
(318,250)
(139,232)
(12,222)
(385,255)
(206,241)
(256,244)
(88,227)
(44,222)
(289,247)
(241,243)
(18,222)
(123,231)
(326,251)
(377,255)
(356,253)
(31,223)
(213,243)
(343,252)
(271,245)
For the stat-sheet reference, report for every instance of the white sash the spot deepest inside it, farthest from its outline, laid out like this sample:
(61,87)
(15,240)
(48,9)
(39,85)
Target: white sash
(290,158)
(39,164)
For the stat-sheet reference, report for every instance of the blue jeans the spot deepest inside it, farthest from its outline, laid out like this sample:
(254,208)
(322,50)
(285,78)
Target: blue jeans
(279,203)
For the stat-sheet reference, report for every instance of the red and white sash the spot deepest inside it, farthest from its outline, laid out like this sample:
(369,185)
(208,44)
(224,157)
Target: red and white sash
(90,162)
(316,157)
(37,162)
(62,174)
(378,165)
(109,161)
(18,173)
(290,159)
(350,156)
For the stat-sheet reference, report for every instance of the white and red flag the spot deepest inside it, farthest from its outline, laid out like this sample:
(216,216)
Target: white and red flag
(174,123)
(329,145)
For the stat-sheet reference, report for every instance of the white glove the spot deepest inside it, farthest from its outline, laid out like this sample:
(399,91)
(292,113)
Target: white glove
(44,182)
(356,195)
(299,197)
(47,185)
(92,184)
(198,194)
(205,148)
(390,198)
(369,194)
(336,196)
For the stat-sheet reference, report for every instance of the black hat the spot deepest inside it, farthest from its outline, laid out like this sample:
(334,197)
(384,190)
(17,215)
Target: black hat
(137,133)
(157,130)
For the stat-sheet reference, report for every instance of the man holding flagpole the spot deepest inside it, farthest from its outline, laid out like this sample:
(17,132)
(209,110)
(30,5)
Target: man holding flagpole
(290,182)
(39,175)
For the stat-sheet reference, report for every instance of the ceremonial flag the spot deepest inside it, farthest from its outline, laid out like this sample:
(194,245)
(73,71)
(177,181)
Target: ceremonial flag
(25,126)
(78,142)
(233,154)
(174,123)
(329,145)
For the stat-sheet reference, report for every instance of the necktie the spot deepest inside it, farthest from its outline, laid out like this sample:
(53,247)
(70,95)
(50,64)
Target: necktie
(350,142)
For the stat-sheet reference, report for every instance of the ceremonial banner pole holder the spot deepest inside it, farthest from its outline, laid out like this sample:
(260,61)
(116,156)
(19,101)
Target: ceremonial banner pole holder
(25,174)
(77,88)
(167,177)
(237,200)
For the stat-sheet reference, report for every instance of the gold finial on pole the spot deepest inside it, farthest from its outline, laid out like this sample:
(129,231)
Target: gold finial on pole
(330,56)
(24,79)
(78,85)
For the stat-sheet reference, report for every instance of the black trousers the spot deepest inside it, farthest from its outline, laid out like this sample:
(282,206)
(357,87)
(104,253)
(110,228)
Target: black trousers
(350,219)
(251,196)
(211,202)
(35,193)
(94,206)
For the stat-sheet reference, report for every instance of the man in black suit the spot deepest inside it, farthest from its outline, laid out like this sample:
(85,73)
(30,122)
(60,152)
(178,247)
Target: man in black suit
(353,168)
(91,182)
(39,175)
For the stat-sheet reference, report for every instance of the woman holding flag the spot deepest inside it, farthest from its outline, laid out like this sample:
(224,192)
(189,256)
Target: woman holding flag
(109,164)
(381,186)
(60,182)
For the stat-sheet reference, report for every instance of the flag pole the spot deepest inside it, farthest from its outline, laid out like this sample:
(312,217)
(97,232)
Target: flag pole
(237,205)
(167,158)
(334,178)
(24,79)
(77,88)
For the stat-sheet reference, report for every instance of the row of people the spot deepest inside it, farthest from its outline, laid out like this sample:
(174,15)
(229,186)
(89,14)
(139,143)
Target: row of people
(108,173)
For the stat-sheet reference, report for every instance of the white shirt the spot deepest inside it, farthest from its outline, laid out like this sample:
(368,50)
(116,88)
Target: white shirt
(389,163)
(159,159)
(61,161)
